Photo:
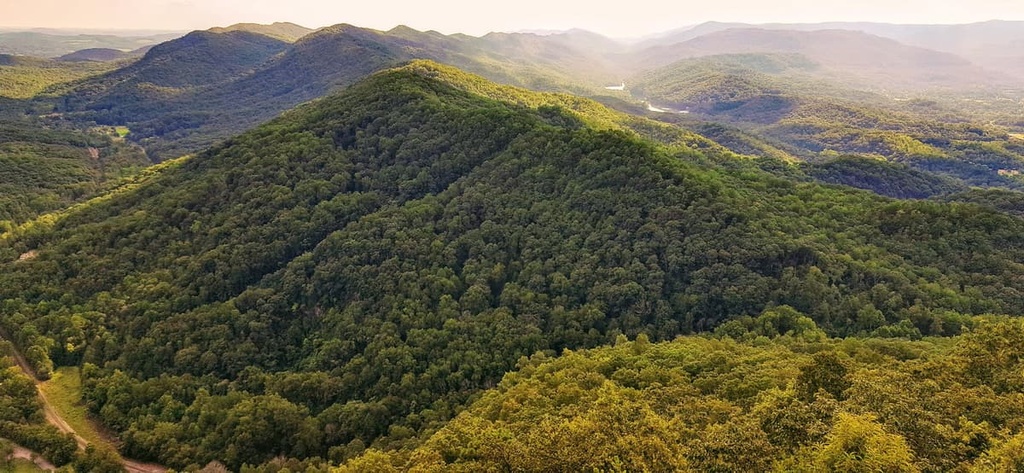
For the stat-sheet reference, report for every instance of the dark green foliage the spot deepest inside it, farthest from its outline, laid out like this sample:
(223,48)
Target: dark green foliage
(200,58)
(1008,201)
(881,177)
(825,372)
(99,460)
(99,55)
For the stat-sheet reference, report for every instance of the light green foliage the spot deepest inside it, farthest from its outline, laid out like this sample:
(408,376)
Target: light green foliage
(698,404)
(859,444)
(22,78)
(64,392)
(37,44)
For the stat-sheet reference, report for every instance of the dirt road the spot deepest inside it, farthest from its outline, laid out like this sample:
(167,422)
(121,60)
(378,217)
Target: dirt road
(22,453)
(54,418)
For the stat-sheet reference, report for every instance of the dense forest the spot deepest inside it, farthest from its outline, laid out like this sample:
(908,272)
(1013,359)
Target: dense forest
(46,168)
(357,272)
(770,393)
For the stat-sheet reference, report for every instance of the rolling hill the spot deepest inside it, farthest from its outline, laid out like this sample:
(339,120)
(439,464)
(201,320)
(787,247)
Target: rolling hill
(197,59)
(356,271)
(791,400)
(239,76)
(102,55)
(24,77)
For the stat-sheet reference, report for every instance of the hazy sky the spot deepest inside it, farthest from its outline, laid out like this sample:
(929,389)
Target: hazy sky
(625,18)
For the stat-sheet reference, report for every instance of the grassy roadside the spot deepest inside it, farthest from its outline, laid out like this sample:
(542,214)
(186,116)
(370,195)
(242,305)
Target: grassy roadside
(64,391)
(22,466)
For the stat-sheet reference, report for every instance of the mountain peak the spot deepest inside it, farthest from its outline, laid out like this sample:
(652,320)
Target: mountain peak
(284,31)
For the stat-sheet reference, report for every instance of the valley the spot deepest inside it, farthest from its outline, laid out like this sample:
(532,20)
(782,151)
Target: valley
(268,248)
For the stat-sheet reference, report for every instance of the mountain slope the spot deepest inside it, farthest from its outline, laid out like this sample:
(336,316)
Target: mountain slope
(992,44)
(358,269)
(783,99)
(196,59)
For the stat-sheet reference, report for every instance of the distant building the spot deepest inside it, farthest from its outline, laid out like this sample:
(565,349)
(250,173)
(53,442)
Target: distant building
(617,87)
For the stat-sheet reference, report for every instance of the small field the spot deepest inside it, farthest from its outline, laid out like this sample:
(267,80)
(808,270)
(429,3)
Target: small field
(64,392)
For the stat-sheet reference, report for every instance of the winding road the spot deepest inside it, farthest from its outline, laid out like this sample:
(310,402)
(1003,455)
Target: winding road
(55,419)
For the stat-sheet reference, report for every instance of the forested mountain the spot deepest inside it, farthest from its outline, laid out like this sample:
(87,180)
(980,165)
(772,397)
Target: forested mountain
(197,59)
(356,271)
(240,76)
(995,45)
(357,255)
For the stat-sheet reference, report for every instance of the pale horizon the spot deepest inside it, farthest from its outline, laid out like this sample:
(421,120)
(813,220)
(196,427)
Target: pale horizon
(641,18)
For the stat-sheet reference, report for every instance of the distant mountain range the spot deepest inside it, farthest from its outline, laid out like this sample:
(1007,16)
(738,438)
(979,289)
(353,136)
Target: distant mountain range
(49,45)
(996,45)
(848,56)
